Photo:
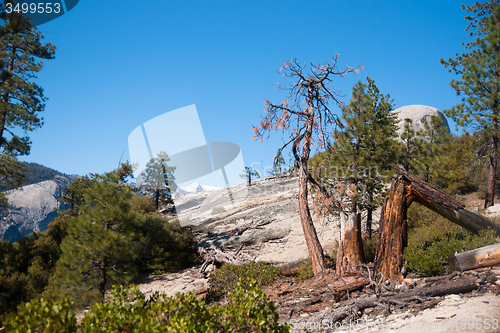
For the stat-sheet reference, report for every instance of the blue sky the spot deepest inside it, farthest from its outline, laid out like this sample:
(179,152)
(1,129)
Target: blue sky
(119,65)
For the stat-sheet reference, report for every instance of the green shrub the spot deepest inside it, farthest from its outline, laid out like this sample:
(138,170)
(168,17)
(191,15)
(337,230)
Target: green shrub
(370,248)
(248,310)
(40,315)
(432,239)
(305,271)
(224,279)
(218,210)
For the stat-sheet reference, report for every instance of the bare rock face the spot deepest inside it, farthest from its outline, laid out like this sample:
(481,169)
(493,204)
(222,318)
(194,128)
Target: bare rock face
(259,222)
(32,208)
(419,114)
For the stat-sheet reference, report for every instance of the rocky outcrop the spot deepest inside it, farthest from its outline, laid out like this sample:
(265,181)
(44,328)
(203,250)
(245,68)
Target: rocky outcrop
(419,114)
(258,222)
(32,208)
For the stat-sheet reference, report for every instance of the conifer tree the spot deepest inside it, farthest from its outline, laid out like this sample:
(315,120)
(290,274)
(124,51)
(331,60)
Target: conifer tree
(248,172)
(410,143)
(479,83)
(431,148)
(99,249)
(366,145)
(21,100)
(158,178)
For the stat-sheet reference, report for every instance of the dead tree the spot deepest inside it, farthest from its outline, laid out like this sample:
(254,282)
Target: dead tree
(306,117)
(350,252)
(393,222)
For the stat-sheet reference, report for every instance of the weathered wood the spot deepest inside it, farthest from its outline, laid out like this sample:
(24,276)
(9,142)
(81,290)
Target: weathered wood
(350,251)
(485,256)
(445,205)
(392,231)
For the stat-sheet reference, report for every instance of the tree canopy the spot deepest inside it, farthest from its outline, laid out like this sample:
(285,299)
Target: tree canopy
(479,83)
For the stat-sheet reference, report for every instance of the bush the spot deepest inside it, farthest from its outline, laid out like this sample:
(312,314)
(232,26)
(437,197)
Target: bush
(42,316)
(305,271)
(224,279)
(165,245)
(370,248)
(248,310)
(218,210)
(432,239)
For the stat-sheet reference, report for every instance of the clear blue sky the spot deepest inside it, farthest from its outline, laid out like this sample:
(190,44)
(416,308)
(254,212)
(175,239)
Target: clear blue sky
(120,63)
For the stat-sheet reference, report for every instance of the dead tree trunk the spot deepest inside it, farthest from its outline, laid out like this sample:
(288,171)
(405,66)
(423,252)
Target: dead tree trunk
(445,205)
(485,256)
(393,225)
(392,231)
(350,250)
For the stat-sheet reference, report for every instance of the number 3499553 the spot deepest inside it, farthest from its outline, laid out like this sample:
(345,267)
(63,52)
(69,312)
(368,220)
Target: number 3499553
(33,8)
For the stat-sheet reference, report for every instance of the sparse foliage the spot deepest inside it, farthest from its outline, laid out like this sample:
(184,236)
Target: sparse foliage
(247,174)
(307,115)
(158,178)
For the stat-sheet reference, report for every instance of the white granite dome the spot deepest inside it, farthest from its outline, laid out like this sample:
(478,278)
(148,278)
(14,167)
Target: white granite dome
(419,114)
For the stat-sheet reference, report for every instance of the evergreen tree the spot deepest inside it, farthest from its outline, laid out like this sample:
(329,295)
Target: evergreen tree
(366,145)
(248,172)
(479,82)
(158,178)
(99,249)
(410,143)
(21,100)
(432,148)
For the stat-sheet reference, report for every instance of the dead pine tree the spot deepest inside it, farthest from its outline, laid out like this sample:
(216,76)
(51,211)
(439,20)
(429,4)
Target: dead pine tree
(306,115)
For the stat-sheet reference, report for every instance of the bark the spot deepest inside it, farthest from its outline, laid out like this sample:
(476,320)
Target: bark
(493,167)
(445,205)
(485,256)
(350,252)
(392,231)
(369,219)
(312,241)
(393,225)
(102,279)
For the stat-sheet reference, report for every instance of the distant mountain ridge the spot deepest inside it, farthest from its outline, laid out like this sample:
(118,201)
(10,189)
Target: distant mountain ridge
(34,204)
(38,173)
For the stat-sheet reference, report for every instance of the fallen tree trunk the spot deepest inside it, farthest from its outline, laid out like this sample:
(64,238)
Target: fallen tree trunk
(485,256)
(445,205)
(392,237)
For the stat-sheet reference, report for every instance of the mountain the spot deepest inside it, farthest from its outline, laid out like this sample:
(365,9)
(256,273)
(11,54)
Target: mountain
(195,187)
(34,205)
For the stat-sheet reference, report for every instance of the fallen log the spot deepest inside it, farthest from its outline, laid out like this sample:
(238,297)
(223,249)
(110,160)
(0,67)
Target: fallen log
(352,308)
(443,204)
(405,189)
(485,256)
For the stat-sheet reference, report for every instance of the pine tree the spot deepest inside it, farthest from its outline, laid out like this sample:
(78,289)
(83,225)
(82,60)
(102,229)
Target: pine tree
(479,83)
(248,172)
(432,148)
(366,146)
(158,178)
(99,249)
(21,100)
(410,143)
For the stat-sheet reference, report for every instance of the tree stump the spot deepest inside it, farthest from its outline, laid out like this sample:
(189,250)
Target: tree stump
(350,250)
(393,231)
